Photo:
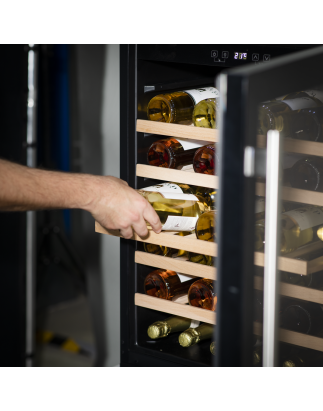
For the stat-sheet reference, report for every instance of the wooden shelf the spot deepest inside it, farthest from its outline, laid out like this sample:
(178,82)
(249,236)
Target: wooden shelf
(177,176)
(191,243)
(294,291)
(292,337)
(174,308)
(176,264)
(169,239)
(292,145)
(189,177)
(178,130)
(199,314)
(294,194)
(186,267)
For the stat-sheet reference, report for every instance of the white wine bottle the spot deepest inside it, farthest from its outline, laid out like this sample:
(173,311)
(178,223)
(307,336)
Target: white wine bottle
(200,258)
(298,227)
(173,324)
(166,251)
(172,153)
(177,107)
(177,211)
(204,113)
(205,228)
(209,195)
(194,335)
(298,115)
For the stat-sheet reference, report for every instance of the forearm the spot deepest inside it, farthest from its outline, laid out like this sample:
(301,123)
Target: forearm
(110,200)
(23,188)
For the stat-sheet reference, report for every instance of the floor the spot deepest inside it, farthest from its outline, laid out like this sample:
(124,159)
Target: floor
(71,320)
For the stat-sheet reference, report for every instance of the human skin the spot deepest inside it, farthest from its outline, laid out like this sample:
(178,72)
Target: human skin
(110,200)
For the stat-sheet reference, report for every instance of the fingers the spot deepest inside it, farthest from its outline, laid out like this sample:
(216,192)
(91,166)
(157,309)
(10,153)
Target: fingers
(151,216)
(126,232)
(140,227)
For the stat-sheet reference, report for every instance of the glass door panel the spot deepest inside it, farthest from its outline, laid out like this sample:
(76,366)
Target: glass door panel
(270,225)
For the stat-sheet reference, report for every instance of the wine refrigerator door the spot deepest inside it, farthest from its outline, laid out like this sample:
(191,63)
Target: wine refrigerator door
(270,225)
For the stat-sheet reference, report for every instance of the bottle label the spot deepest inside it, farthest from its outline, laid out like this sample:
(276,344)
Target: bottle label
(300,103)
(174,223)
(184,277)
(260,205)
(179,196)
(195,324)
(164,188)
(171,191)
(318,94)
(306,217)
(200,94)
(189,144)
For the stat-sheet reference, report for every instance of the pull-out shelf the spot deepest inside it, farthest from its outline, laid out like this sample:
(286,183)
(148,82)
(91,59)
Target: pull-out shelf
(192,244)
(199,314)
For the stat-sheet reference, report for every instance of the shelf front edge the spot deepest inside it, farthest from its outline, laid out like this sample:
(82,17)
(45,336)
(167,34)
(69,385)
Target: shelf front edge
(178,130)
(183,310)
(176,176)
(174,264)
(173,241)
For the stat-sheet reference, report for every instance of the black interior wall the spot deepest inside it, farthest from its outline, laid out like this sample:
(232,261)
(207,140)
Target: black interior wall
(13,89)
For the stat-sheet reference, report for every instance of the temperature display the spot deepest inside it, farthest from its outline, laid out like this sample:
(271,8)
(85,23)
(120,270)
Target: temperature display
(240,56)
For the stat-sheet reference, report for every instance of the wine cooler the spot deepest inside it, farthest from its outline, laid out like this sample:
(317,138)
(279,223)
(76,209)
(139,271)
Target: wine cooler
(244,285)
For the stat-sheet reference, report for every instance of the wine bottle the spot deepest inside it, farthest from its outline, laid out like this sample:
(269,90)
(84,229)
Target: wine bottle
(204,113)
(205,160)
(302,316)
(296,116)
(166,251)
(302,357)
(205,228)
(314,280)
(209,196)
(173,324)
(172,153)
(177,211)
(202,293)
(257,354)
(307,174)
(200,258)
(192,336)
(298,227)
(213,347)
(167,284)
(177,107)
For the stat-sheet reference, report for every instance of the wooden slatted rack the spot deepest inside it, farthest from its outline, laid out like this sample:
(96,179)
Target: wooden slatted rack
(290,263)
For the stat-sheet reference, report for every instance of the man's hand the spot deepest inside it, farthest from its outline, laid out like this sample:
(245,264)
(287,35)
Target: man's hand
(110,200)
(117,206)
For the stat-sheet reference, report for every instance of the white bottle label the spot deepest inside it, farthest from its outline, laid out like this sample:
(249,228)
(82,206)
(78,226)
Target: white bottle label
(318,94)
(202,93)
(260,205)
(195,324)
(174,223)
(306,217)
(164,188)
(300,103)
(179,196)
(184,277)
(189,144)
